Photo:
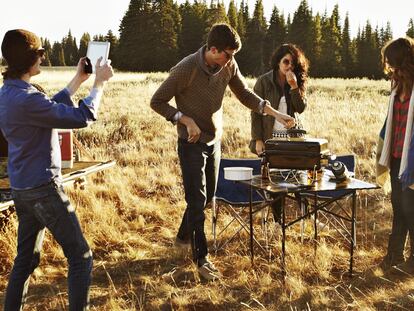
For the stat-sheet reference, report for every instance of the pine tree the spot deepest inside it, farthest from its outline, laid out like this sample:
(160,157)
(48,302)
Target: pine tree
(164,36)
(368,54)
(75,52)
(346,56)
(48,51)
(242,20)
(385,35)
(113,40)
(315,68)
(300,31)
(375,71)
(99,38)
(330,61)
(275,35)
(336,44)
(335,18)
(83,44)
(67,48)
(251,56)
(410,31)
(193,26)
(232,14)
(70,50)
(57,58)
(288,26)
(216,14)
(135,41)
(358,50)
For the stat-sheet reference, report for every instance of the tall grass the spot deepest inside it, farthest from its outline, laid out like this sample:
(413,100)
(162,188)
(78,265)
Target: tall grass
(130,217)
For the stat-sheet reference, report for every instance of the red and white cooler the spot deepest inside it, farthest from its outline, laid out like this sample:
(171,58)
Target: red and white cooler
(66,147)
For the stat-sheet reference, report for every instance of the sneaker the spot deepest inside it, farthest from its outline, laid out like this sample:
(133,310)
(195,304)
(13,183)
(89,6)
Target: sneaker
(182,244)
(390,261)
(208,271)
(407,266)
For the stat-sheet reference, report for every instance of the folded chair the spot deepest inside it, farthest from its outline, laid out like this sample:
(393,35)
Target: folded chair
(233,198)
(326,220)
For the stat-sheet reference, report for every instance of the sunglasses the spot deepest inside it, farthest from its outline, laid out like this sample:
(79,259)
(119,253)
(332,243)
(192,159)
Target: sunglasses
(228,55)
(41,52)
(287,62)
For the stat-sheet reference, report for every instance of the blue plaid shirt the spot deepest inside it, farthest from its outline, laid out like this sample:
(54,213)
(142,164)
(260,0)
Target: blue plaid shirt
(28,119)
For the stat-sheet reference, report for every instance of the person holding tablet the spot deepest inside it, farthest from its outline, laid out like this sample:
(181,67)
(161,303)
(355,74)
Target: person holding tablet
(28,119)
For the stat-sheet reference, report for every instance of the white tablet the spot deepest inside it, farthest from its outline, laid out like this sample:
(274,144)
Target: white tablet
(97,49)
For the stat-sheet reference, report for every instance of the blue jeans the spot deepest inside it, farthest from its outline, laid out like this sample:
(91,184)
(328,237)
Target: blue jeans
(403,215)
(37,208)
(199,165)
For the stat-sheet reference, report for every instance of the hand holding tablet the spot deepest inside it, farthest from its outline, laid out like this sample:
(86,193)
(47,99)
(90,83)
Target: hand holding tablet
(95,51)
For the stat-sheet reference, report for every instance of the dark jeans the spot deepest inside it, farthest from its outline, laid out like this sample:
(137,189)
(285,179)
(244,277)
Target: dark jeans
(48,206)
(403,215)
(199,166)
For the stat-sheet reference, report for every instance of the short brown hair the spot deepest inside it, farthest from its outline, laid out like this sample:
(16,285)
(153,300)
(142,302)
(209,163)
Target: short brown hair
(223,36)
(19,49)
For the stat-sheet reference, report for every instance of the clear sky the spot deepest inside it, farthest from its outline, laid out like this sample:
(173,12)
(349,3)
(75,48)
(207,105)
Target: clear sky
(54,18)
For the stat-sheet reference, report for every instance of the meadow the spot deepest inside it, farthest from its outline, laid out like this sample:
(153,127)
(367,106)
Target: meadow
(130,217)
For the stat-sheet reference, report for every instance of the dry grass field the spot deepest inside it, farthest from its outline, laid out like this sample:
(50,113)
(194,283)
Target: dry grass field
(131,216)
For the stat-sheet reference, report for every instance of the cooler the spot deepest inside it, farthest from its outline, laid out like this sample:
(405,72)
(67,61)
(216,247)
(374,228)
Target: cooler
(66,147)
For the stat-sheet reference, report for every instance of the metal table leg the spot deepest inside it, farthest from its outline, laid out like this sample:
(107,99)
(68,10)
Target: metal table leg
(251,224)
(353,237)
(315,217)
(283,237)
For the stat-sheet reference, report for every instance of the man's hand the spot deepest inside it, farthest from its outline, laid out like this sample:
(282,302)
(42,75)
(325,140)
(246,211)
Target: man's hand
(285,119)
(102,73)
(193,130)
(259,147)
(79,77)
(80,73)
(291,79)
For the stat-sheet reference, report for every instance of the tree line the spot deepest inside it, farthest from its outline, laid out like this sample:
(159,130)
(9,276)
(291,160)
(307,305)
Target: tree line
(156,34)
(67,53)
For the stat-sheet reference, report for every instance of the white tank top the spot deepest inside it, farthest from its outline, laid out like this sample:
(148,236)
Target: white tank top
(283,109)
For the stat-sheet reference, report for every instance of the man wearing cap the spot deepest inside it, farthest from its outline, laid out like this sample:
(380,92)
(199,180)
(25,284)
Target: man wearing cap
(28,119)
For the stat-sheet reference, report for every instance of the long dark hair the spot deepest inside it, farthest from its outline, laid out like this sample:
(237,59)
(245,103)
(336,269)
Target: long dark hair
(300,62)
(398,63)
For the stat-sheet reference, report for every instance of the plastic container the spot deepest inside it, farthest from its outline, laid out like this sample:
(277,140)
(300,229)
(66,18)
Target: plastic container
(66,147)
(238,173)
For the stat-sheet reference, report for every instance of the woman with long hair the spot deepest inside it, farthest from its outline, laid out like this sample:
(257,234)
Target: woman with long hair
(284,86)
(397,151)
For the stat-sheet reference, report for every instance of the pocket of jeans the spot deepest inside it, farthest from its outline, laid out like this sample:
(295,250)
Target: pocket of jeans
(47,209)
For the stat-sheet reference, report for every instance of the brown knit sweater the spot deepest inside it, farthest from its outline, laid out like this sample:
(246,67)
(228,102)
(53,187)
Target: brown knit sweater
(199,94)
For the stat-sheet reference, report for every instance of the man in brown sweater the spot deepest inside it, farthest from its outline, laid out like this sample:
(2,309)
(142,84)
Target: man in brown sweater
(198,83)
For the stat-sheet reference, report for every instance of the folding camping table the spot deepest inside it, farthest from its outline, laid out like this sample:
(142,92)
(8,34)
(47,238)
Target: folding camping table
(300,188)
